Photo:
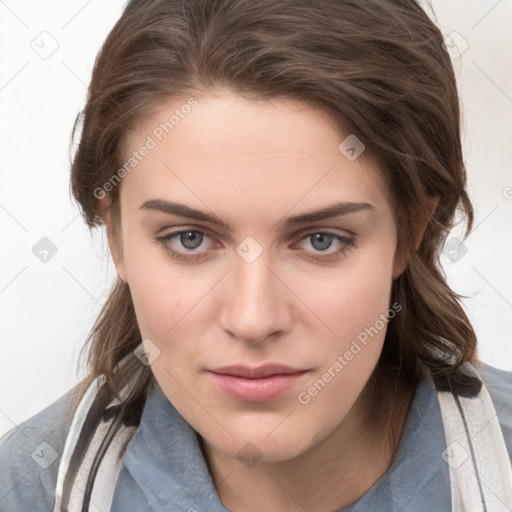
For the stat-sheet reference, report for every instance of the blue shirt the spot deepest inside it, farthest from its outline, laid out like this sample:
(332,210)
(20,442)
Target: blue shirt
(164,468)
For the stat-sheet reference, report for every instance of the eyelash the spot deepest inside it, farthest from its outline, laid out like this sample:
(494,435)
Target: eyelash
(347,243)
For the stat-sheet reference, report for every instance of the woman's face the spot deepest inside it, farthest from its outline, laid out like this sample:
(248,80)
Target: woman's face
(265,319)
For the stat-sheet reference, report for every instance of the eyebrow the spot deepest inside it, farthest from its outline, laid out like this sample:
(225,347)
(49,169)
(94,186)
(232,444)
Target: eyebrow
(182,210)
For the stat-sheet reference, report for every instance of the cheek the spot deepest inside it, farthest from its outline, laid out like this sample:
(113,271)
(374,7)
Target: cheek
(352,299)
(365,299)
(163,293)
(170,313)
(345,365)
(167,303)
(356,308)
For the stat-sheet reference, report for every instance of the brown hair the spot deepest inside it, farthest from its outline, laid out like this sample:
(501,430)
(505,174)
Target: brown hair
(378,67)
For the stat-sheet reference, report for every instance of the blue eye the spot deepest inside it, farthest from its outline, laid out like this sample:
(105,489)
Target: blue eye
(188,239)
(188,244)
(321,241)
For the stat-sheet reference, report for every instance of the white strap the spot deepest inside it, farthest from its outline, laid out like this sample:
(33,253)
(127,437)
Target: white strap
(108,472)
(110,466)
(480,471)
(72,438)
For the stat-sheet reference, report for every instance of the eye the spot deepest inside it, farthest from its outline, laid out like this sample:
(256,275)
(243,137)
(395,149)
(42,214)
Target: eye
(325,245)
(186,244)
(194,244)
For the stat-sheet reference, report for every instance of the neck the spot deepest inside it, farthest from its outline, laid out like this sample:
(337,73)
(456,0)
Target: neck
(333,474)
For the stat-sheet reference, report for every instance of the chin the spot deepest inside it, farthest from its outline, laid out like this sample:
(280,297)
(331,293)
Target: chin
(251,447)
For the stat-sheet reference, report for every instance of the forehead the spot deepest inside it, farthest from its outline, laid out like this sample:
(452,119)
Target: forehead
(221,145)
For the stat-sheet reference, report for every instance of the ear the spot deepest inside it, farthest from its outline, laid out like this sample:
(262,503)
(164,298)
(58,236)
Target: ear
(419,227)
(113,231)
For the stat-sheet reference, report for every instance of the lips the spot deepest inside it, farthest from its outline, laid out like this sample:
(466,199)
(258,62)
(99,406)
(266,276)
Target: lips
(256,384)
(257,372)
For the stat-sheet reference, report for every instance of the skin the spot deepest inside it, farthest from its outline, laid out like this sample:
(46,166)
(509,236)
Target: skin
(252,164)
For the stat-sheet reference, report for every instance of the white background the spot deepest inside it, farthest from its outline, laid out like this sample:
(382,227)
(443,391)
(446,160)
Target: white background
(46,309)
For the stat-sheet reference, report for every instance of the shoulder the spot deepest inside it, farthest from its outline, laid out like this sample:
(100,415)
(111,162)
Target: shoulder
(30,454)
(499,385)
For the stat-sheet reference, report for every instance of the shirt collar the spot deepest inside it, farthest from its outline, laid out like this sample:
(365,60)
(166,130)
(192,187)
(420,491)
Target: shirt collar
(418,478)
(166,460)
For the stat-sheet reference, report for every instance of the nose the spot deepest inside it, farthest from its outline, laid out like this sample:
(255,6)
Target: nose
(256,302)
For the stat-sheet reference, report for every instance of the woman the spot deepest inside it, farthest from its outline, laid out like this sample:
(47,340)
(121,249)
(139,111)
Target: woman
(276,180)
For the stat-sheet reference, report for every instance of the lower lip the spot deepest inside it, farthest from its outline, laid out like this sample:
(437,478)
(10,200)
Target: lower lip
(256,390)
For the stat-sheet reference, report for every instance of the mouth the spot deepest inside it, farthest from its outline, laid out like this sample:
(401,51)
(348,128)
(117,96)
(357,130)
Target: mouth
(256,384)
